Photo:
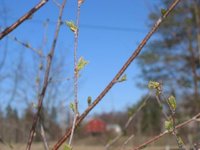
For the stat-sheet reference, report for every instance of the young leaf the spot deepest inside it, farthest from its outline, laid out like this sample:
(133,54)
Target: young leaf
(169,125)
(67,147)
(27,45)
(81,64)
(72,26)
(89,100)
(72,106)
(123,78)
(172,102)
(155,85)
(163,11)
(179,140)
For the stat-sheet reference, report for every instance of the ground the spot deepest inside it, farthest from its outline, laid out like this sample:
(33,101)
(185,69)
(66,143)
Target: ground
(97,143)
(39,146)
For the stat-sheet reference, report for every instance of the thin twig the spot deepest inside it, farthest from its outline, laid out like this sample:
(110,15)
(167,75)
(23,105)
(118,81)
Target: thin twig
(27,45)
(10,146)
(113,141)
(44,40)
(174,132)
(154,139)
(197,19)
(42,132)
(22,19)
(160,105)
(76,73)
(126,142)
(57,3)
(73,129)
(5,51)
(118,75)
(137,111)
(38,83)
(46,77)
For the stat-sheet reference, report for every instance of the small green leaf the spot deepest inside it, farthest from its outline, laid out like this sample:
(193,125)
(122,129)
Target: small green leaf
(123,78)
(27,45)
(81,64)
(72,26)
(169,125)
(89,100)
(172,102)
(180,141)
(155,85)
(72,106)
(163,11)
(67,147)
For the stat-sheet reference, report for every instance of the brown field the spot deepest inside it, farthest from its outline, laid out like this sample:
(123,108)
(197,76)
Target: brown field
(97,144)
(39,146)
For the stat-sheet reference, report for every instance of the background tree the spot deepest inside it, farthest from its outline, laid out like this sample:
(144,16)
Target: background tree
(22,81)
(11,125)
(149,120)
(174,54)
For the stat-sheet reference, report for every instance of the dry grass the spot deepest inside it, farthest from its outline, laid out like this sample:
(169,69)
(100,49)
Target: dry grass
(91,143)
(39,146)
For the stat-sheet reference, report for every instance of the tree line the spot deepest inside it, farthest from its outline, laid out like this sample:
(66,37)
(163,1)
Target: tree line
(15,128)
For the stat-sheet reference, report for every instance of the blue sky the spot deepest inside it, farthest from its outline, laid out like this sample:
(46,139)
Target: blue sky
(110,30)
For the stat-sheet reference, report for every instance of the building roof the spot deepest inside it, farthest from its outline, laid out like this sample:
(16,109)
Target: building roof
(95,126)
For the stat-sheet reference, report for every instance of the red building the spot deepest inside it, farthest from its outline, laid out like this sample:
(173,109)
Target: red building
(95,127)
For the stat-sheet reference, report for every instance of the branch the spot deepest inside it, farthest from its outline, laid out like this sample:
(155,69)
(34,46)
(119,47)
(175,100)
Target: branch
(57,3)
(174,131)
(27,45)
(113,141)
(42,132)
(6,143)
(22,19)
(137,111)
(46,77)
(160,105)
(118,75)
(166,132)
(76,73)
(126,142)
